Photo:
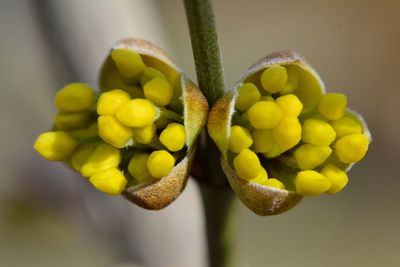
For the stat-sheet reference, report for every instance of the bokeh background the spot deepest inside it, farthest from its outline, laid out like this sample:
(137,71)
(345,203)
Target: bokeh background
(52,217)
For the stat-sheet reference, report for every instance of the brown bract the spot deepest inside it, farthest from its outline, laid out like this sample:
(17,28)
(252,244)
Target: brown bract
(262,200)
(157,194)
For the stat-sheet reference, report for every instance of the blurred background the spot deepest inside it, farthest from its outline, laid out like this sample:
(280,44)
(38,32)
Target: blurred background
(51,217)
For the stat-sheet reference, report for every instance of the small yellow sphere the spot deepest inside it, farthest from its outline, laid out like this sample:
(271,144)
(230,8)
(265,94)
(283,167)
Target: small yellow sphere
(290,105)
(81,155)
(113,132)
(158,91)
(311,156)
(74,97)
(247,165)
(346,126)
(264,115)
(144,135)
(293,79)
(332,106)
(137,167)
(111,181)
(129,63)
(337,177)
(288,133)
(56,146)
(149,74)
(137,113)
(318,132)
(173,137)
(90,132)
(274,78)
(68,121)
(248,94)
(240,139)
(261,178)
(110,101)
(160,163)
(103,157)
(263,140)
(351,148)
(311,183)
(275,183)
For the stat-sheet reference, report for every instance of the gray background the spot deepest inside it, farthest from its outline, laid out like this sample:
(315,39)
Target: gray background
(51,217)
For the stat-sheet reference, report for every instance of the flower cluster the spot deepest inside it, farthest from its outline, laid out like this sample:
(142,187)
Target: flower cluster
(280,134)
(284,133)
(132,132)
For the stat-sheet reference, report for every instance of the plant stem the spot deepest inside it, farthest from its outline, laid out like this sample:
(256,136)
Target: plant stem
(205,47)
(218,205)
(216,194)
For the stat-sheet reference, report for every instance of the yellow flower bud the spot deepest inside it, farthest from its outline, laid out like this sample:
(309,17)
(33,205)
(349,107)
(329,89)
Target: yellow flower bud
(264,115)
(55,145)
(263,140)
(149,74)
(111,181)
(113,132)
(159,91)
(136,113)
(160,163)
(275,183)
(81,155)
(137,167)
(104,157)
(261,177)
(337,177)
(173,137)
(247,164)
(274,78)
(74,97)
(144,135)
(332,106)
(240,139)
(290,105)
(346,126)
(288,133)
(248,94)
(311,156)
(351,148)
(110,101)
(318,132)
(90,132)
(72,121)
(311,183)
(129,63)
(292,81)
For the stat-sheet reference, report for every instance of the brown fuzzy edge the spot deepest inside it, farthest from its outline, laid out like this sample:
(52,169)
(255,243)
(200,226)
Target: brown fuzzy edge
(219,121)
(262,200)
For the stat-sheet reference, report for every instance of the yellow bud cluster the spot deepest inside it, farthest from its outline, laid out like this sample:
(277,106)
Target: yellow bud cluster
(142,118)
(274,126)
(126,134)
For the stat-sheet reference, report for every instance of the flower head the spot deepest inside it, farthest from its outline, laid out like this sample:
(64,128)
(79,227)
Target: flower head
(282,137)
(136,136)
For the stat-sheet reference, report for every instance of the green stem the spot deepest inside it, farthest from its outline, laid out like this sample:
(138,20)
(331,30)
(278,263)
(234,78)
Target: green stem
(205,47)
(216,194)
(218,205)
